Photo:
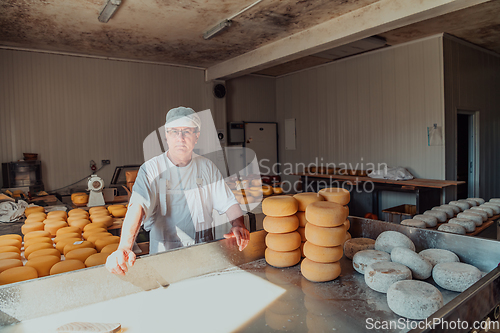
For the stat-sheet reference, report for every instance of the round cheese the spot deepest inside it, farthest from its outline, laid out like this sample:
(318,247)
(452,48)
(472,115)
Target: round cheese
(17,274)
(337,195)
(325,236)
(110,248)
(306,198)
(107,220)
(77,211)
(52,227)
(479,201)
(388,240)
(380,276)
(471,202)
(448,211)
(12,236)
(461,205)
(100,243)
(10,242)
(280,206)
(322,253)
(66,266)
(35,209)
(10,248)
(87,234)
(302,232)
(281,242)
(282,259)
(35,234)
(302,249)
(455,209)
(81,199)
(482,210)
(73,195)
(80,254)
(414,223)
(495,208)
(54,219)
(58,213)
(319,272)
(77,245)
(326,214)
(354,245)
(35,247)
(45,252)
(440,215)
(67,235)
(113,207)
(9,263)
(420,267)
(96,259)
(43,264)
(302,218)
(430,221)
(119,212)
(32,241)
(414,299)
(76,217)
(469,215)
(347,224)
(37,216)
(452,228)
(280,225)
(10,255)
(455,276)
(79,223)
(68,230)
(95,236)
(63,242)
(362,259)
(94,225)
(437,256)
(99,213)
(469,225)
(92,210)
(30,227)
(32,220)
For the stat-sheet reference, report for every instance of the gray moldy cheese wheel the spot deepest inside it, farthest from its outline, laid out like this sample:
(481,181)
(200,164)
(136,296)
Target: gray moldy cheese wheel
(365,258)
(469,226)
(280,225)
(325,236)
(455,276)
(495,200)
(380,276)
(462,205)
(452,228)
(326,214)
(467,202)
(479,201)
(438,256)
(448,211)
(440,215)
(283,242)
(282,259)
(337,195)
(420,267)
(414,223)
(319,272)
(306,198)
(478,219)
(354,245)
(387,240)
(414,299)
(322,253)
(280,206)
(455,209)
(472,202)
(429,220)
(495,208)
(488,211)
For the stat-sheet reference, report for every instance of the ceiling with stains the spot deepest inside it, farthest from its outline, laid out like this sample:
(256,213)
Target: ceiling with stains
(171,31)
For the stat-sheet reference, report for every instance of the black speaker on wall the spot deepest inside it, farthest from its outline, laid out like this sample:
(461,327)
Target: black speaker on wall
(219,90)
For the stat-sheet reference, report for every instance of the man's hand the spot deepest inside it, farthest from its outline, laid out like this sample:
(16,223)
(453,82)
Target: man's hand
(117,261)
(241,234)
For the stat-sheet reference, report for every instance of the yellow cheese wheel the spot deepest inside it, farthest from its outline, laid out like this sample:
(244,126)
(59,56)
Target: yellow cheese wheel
(302,249)
(77,245)
(95,236)
(12,236)
(54,219)
(347,224)
(80,199)
(103,212)
(35,234)
(58,213)
(81,254)
(100,243)
(52,227)
(35,226)
(322,236)
(45,252)
(35,209)
(280,225)
(337,195)
(302,232)
(66,266)
(63,242)
(92,210)
(282,259)
(119,212)
(322,253)
(38,216)
(35,247)
(73,195)
(10,255)
(267,190)
(307,198)
(79,223)
(76,217)
(9,248)
(87,234)
(302,218)
(9,263)
(110,248)
(95,225)
(107,220)
(77,211)
(96,259)
(68,235)
(68,230)
(113,207)
(326,214)
(280,206)
(283,242)
(17,274)
(32,241)
(319,272)
(10,242)
(43,264)
(277,190)
(34,219)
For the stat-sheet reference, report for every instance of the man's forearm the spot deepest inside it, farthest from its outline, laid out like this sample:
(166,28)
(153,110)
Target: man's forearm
(130,226)
(235,216)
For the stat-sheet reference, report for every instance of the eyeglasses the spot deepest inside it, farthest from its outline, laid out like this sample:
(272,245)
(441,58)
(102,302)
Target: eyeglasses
(176,133)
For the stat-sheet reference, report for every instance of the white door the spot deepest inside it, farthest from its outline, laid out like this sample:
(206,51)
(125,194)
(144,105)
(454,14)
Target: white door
(262,139)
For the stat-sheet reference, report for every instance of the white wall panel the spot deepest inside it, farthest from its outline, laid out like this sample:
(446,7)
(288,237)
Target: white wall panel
(71,110)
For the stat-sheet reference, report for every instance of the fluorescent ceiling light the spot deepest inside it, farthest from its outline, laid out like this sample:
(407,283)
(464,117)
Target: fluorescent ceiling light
(218,28)
(108,10)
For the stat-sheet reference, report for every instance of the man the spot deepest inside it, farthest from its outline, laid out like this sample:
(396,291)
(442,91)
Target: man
(174,195)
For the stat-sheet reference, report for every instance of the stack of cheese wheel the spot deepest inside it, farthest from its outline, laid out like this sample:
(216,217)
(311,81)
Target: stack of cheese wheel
(325,233)
(282,241)
(117,210)
(34,219)
(304,199)
(80,198)
(78,218)
(55,220)
(10,258)
(100,214)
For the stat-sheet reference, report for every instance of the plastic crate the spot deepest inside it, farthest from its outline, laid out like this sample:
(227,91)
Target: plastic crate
(399,213)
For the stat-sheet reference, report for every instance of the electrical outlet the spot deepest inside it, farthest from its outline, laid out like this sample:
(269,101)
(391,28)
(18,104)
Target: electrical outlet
(104,162)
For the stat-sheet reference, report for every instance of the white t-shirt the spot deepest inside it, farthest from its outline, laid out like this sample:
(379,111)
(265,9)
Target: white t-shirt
(176,198)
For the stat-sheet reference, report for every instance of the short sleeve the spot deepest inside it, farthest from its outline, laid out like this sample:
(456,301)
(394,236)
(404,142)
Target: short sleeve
(222,195)
(143,191)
